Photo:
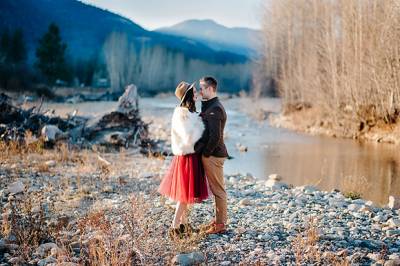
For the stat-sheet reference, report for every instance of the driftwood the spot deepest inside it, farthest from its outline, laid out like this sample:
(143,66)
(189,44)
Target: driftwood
(121,127)
(15,122)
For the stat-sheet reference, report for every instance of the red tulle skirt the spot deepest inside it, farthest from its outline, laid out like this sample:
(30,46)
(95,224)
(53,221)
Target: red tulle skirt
(185,180)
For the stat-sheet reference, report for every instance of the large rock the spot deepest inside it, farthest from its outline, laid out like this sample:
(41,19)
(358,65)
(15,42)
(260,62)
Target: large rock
(51,133)
(307,188)
(2,245)
(46,247)
(354,207)
(16,187)
(275,177)
(394,202)
(394,222)
(395,262)
(275,185)
(188,259)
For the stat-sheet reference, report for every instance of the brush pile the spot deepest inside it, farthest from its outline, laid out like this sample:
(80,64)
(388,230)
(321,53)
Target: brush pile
(122,127)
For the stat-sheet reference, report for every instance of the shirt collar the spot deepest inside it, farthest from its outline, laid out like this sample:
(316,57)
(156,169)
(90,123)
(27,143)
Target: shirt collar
(206,104)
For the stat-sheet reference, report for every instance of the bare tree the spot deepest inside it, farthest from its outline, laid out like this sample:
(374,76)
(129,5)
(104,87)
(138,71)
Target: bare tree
(341,56)
(121,61)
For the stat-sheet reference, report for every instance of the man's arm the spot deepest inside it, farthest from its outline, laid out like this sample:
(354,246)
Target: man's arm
(214,125)
(201,143)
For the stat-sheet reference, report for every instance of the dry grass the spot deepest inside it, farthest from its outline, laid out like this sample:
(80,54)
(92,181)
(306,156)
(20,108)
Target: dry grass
(106,246)
(63,153)
(20,149)
(342,57)
(43,168)
(130,236)
(307,251)
(27,221)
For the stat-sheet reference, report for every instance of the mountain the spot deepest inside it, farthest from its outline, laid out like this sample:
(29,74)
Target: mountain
(153,60)
(85,28)
(237,39)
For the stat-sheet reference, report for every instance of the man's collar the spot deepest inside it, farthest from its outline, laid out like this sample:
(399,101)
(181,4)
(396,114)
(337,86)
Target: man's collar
(215,97)
(206,104)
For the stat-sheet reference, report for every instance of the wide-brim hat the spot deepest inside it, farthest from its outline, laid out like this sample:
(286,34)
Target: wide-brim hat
(182,88)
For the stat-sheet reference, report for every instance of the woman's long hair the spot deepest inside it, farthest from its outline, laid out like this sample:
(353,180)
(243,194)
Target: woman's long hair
(188,101)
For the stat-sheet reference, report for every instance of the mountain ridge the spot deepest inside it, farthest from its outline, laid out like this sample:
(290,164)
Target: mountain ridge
(240,40)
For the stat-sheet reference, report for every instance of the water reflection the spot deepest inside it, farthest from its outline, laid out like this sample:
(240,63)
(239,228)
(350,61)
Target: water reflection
(368,168)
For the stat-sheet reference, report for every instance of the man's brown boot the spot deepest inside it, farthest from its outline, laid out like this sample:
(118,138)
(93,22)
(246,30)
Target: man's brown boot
(216,229)
(206,227)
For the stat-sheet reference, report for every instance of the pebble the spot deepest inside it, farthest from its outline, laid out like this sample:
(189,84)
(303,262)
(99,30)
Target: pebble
(108,189)
(15,260)
(390,262)
(374,256)
(394,222)
(245,202)
(392,232)
(16,187)
(275,177)
(146,175)
(188,259)
(48,260)
(275,185)
(354,207)
(43,248)
(50,163)
(394,203)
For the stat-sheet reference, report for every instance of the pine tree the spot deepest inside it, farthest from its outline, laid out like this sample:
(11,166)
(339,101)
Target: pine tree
(4,46)
(13,70)
(51,55)
(17,49)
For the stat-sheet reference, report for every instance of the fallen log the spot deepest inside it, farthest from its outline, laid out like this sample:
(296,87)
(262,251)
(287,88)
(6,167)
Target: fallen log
(120,127)
(15,121)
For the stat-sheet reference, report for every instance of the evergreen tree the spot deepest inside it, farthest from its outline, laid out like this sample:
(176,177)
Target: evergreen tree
(51,55)
(17,49)
(4,46)
(13,70)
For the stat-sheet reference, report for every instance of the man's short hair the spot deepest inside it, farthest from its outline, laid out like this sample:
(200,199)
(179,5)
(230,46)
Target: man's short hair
(210,81)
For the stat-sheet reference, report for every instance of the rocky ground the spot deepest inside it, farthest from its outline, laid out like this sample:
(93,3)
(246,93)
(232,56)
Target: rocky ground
(84,211)
(92,207)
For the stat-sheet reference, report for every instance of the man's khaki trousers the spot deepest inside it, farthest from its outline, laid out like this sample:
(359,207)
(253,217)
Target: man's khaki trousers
(214,170)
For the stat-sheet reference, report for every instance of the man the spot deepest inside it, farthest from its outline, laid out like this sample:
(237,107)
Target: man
(213,150)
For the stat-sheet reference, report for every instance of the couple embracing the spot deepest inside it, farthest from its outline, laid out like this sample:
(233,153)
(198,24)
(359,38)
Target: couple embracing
(199,150)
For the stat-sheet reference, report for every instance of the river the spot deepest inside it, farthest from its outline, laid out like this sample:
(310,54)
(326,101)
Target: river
(371,169)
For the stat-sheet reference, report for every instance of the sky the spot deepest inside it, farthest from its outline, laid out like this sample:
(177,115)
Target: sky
(153,14)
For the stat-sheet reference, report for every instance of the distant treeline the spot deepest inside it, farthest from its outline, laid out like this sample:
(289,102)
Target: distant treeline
(50,68)
(342,57)
(156,68)
(153,68)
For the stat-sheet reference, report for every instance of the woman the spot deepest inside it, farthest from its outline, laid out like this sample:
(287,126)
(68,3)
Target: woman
(185,181)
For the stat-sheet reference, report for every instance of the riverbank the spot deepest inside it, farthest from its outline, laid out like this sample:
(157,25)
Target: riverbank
(89,210)
(314,122)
